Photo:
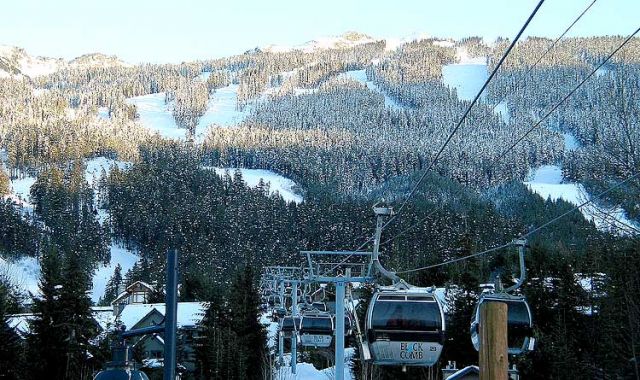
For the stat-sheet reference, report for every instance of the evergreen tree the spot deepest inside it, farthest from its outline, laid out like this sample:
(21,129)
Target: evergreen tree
(113,286)
(75,305)
(46,342)
(244,303)
(12,359)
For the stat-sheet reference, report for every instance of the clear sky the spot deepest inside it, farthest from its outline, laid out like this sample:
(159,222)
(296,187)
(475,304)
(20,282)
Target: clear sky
(175,31)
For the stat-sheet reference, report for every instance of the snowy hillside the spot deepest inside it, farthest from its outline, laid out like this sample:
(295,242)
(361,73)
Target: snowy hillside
(361,76)
(16,61)
(548,182)
(155,114)
(346,40)
(278,184)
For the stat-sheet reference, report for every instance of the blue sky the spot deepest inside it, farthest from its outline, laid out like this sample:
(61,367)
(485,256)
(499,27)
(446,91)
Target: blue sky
(162,31)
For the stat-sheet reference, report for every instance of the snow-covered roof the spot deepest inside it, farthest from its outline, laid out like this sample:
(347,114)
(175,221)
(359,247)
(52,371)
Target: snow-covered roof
(20,322)
(465,371)
(103,315)
(189,313)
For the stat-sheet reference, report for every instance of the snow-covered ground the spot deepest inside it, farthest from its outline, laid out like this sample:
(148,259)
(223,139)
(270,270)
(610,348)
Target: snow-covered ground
(119,255)
(97,165)
(466,78)
(306,371)
(20,192)
(282,185)
(548,182)
(221,110)
(103,113)
(467,75)
(156,115)
(502,110)
(24,273)
(361,76)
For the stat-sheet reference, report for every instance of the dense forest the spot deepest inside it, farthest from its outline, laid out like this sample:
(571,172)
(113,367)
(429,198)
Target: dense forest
(347,149)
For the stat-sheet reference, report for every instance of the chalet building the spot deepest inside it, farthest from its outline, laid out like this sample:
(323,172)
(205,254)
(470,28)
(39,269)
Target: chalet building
(151,346)
(132,309)
(135,294)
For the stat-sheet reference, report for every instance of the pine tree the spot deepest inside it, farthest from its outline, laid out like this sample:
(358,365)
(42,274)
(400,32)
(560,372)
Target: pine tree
(75,305)
(46,342)
(12,359)
(244,303)
(113,286)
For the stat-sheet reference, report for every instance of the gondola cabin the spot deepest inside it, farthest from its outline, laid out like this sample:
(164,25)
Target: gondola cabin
(289,324)
(519,322)
(405,327)
(320,306)
(316,330)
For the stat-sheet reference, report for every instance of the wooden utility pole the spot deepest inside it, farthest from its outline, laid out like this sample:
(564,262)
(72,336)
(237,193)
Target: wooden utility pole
(494,361)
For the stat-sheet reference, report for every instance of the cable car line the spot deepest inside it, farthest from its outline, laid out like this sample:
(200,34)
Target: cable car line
(566,97)
(524,77)
(528,234)
(557,105)
(466,113)
(462,119)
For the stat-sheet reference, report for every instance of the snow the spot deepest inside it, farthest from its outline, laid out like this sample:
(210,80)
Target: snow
(103,113)
(547,181)
(189,313)
(347,40)
(278,184)
(570,142)
(155,115)
(24,273)
(119,255)
(204,76)
(96,165)
(463,58)
(306,371)
(272,329)
(361,76)
(466,78)
(21,190)
(502,110)
(393,43)
(221,110)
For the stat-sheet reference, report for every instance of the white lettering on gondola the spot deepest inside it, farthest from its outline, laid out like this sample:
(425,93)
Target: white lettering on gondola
(411,351)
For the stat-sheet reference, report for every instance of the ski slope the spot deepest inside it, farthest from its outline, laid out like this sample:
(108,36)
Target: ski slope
(278,184)
(21,190)
(23,273)
(467,75)
(119,255)
(548,182)
(155,115)
(95,167)
(361,76)
(466,78)
(221,111)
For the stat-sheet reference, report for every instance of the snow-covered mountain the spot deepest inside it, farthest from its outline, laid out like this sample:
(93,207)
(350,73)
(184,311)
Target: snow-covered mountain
(346,40)
(16,61)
